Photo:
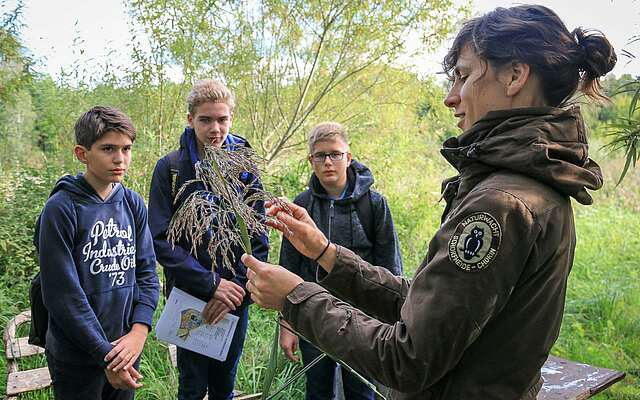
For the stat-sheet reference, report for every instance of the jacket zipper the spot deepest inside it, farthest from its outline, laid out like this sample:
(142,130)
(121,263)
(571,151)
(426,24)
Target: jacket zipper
(331,209)
(343,328)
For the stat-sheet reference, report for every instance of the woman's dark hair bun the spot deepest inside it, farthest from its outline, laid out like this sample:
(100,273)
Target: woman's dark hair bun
(599,57)
(564,61)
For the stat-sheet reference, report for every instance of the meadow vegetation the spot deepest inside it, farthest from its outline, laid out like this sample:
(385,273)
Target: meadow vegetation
(396,121)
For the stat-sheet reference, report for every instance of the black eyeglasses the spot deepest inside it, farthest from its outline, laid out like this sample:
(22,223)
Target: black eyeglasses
(319,158)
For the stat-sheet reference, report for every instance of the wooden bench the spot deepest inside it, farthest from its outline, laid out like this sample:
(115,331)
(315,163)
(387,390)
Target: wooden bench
(16,348)
(570,380)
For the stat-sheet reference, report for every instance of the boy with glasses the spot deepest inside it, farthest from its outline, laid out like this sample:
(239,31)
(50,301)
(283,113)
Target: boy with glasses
(343,205)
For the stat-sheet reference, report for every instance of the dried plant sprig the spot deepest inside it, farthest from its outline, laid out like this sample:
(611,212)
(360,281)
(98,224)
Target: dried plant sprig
(221,211)
(272,367)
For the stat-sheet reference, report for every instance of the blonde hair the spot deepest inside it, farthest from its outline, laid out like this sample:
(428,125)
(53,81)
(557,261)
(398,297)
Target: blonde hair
(209,90)
(326,131)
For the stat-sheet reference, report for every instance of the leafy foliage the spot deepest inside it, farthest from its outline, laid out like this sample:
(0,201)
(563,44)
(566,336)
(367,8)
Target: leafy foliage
(285,58)
(288,76)
(14,65)
(272,364)
(625,130)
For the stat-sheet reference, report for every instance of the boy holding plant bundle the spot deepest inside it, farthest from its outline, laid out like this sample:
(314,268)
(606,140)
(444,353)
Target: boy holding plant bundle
(210,116)
(97,267)
(342,204)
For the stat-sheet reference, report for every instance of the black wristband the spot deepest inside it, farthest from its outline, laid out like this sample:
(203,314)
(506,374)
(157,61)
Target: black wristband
(323,251)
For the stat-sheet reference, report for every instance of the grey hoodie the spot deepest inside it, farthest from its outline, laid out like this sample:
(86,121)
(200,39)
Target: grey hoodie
(340,222)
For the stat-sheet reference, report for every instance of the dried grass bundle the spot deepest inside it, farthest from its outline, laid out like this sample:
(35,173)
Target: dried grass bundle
(221,210)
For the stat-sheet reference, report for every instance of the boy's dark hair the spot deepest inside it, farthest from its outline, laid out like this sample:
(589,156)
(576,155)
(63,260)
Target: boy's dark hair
(99,120)
(564,61)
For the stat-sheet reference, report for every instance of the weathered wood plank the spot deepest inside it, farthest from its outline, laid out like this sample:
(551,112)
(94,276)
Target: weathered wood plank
(26,381)
(14,323)
(567,380)
(10,334)
(20,347)
(248,396)
(563,380)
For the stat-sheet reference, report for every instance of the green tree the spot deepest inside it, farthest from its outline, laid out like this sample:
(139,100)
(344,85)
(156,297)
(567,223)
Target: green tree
(14,64)
(16,114)
(284,58)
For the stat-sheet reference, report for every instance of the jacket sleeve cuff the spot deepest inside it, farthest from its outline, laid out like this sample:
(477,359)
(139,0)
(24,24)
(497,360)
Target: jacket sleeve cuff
(298,295)
(345,266)
(100,353)
(143,314)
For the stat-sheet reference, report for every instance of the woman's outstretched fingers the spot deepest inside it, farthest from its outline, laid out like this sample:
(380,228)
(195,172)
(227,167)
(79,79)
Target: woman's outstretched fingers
(303,233)
(282,206)
(277,205)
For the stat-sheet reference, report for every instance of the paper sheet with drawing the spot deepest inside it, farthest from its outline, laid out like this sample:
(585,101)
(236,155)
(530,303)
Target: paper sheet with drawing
(181,324)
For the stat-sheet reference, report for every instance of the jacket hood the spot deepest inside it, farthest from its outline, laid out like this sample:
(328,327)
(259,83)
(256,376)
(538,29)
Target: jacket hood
(547,144)
(359,181)
(185,137)
(188,136)
(79,187)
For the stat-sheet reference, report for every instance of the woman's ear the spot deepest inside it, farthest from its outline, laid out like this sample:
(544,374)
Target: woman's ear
(518,76)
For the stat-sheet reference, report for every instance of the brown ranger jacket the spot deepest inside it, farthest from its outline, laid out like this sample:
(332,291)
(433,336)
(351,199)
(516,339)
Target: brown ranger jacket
(478,319)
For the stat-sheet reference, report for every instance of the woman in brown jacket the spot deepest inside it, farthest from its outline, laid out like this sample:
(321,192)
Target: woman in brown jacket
(478,319)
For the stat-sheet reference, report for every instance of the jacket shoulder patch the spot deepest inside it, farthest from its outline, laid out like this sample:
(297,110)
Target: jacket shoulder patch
(475,242)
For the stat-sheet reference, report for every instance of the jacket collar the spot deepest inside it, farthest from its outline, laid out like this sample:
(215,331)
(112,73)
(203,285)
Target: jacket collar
(545,143)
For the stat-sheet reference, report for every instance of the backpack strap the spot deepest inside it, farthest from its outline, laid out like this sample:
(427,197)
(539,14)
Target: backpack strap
(173,158)
(130,202)
(173,166)
(39,313)
(364,209)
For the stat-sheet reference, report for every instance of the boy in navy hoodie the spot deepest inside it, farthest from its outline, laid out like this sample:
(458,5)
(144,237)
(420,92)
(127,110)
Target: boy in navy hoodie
(210,117)
(98,268)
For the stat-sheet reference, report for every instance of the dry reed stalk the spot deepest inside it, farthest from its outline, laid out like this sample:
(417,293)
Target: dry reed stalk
(220,211)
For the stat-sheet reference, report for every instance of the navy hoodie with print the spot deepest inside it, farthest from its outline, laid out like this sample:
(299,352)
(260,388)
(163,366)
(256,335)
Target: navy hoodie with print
(98,269)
